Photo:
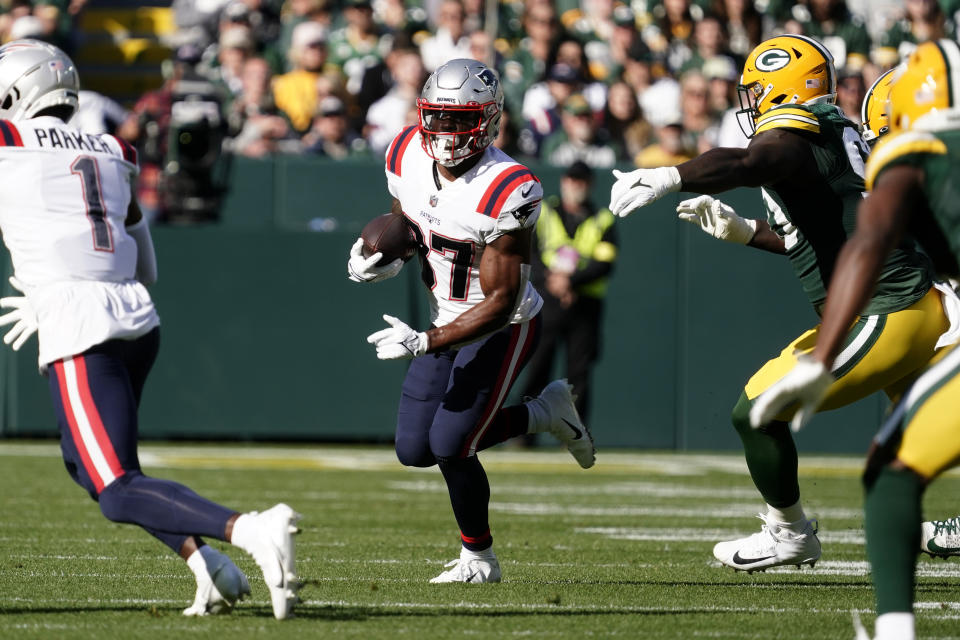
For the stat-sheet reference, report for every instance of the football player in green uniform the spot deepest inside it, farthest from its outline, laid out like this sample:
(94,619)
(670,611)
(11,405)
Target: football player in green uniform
(913,186)
(808,160)
(939,538)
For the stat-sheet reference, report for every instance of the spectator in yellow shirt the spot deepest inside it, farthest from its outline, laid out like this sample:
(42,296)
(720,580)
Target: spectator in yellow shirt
(295,92)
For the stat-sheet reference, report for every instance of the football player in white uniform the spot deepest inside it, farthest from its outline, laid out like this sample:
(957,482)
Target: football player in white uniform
(83,254)
(472,209)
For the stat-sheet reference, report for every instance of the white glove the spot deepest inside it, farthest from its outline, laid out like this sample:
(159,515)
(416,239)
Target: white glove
(399,341)
(806,383)
(360,269)
(717,219)
(23,317)
(641,187)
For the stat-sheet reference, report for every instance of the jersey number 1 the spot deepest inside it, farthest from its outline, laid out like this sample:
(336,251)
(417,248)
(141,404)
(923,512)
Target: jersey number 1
(86,168)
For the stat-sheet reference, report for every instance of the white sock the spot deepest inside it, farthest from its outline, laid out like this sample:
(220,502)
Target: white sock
(894,626)
(791,517)
(485,554)
(245,532)
(200,559)
(538,419)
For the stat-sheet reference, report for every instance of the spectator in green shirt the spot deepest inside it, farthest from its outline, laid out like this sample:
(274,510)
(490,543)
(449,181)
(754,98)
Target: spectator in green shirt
(579,138)
(528,63)
(358,46)
(841,31)
(922,20)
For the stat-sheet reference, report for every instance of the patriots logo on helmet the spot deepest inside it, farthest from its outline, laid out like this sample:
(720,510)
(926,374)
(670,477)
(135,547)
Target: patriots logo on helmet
(489,78)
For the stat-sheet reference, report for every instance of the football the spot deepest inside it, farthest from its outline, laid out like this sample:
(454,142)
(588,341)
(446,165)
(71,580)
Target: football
(391,235)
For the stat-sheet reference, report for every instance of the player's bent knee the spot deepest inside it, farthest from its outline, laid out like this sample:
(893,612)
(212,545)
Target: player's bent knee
(740,416)
(113,498)
(415,456)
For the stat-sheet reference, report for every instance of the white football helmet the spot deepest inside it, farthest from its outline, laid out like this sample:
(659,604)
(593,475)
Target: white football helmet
(460,110)
(35,75)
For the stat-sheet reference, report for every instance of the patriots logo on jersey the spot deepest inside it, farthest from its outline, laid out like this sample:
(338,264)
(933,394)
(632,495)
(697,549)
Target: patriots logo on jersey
(524,212)
(489,78)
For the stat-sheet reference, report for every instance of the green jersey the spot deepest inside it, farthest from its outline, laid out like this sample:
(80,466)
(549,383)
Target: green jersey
(815,218)
(937,153)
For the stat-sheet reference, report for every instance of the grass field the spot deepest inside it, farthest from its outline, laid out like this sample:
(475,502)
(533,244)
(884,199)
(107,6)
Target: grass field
(621,550)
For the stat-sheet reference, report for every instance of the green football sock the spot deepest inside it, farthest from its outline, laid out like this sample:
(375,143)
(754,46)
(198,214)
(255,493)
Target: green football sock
(771,457)
(892,511)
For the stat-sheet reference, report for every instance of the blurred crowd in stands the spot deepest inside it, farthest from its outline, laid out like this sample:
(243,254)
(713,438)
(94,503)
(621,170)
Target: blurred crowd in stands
(639,82)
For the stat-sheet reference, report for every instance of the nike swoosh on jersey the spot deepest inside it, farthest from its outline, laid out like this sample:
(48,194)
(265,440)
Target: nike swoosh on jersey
(738,559)
(577,433)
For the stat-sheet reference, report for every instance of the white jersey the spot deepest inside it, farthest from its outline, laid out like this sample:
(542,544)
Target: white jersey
(64,197)
(456,222)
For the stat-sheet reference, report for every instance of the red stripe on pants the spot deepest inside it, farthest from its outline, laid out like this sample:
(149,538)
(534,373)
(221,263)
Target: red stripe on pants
(93,417)
(503,378)
(74,429)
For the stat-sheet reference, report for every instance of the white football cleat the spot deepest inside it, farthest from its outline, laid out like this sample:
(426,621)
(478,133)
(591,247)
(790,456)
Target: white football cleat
(470,568)
(774,546)
(565,423)
(941,538)
(221,587)
(275,554)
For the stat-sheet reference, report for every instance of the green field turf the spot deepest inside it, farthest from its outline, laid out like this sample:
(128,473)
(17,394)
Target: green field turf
(621,550)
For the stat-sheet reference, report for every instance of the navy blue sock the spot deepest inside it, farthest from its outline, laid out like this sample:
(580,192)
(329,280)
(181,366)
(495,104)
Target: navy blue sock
(167,510)
(469,496)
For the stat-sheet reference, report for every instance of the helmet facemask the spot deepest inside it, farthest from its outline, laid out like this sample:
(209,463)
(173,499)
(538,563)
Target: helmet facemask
(751,96)
(453,133)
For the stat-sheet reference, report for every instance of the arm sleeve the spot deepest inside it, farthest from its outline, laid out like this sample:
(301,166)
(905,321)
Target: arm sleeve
(146,256)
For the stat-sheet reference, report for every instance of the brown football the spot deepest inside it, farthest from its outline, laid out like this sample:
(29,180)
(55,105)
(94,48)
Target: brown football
(391,235)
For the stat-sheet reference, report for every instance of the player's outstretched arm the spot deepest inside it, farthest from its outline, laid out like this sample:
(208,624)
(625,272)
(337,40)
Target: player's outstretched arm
(718,219)
(881,220)
(139,230)
(500,280)
(771,156)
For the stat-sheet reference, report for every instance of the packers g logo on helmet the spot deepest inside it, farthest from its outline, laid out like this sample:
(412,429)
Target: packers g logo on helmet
(787,69)
(772,59)
(924,90)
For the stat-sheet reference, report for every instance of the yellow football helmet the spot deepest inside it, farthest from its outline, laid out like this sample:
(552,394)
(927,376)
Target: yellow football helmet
(786,69)
(926,88)
(873,113)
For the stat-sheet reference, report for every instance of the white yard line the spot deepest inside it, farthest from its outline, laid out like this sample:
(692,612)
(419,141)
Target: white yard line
(646,489)
(685,534)
(725,511)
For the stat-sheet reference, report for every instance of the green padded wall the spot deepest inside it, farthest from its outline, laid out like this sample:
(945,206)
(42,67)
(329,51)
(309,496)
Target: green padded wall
(263,336)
